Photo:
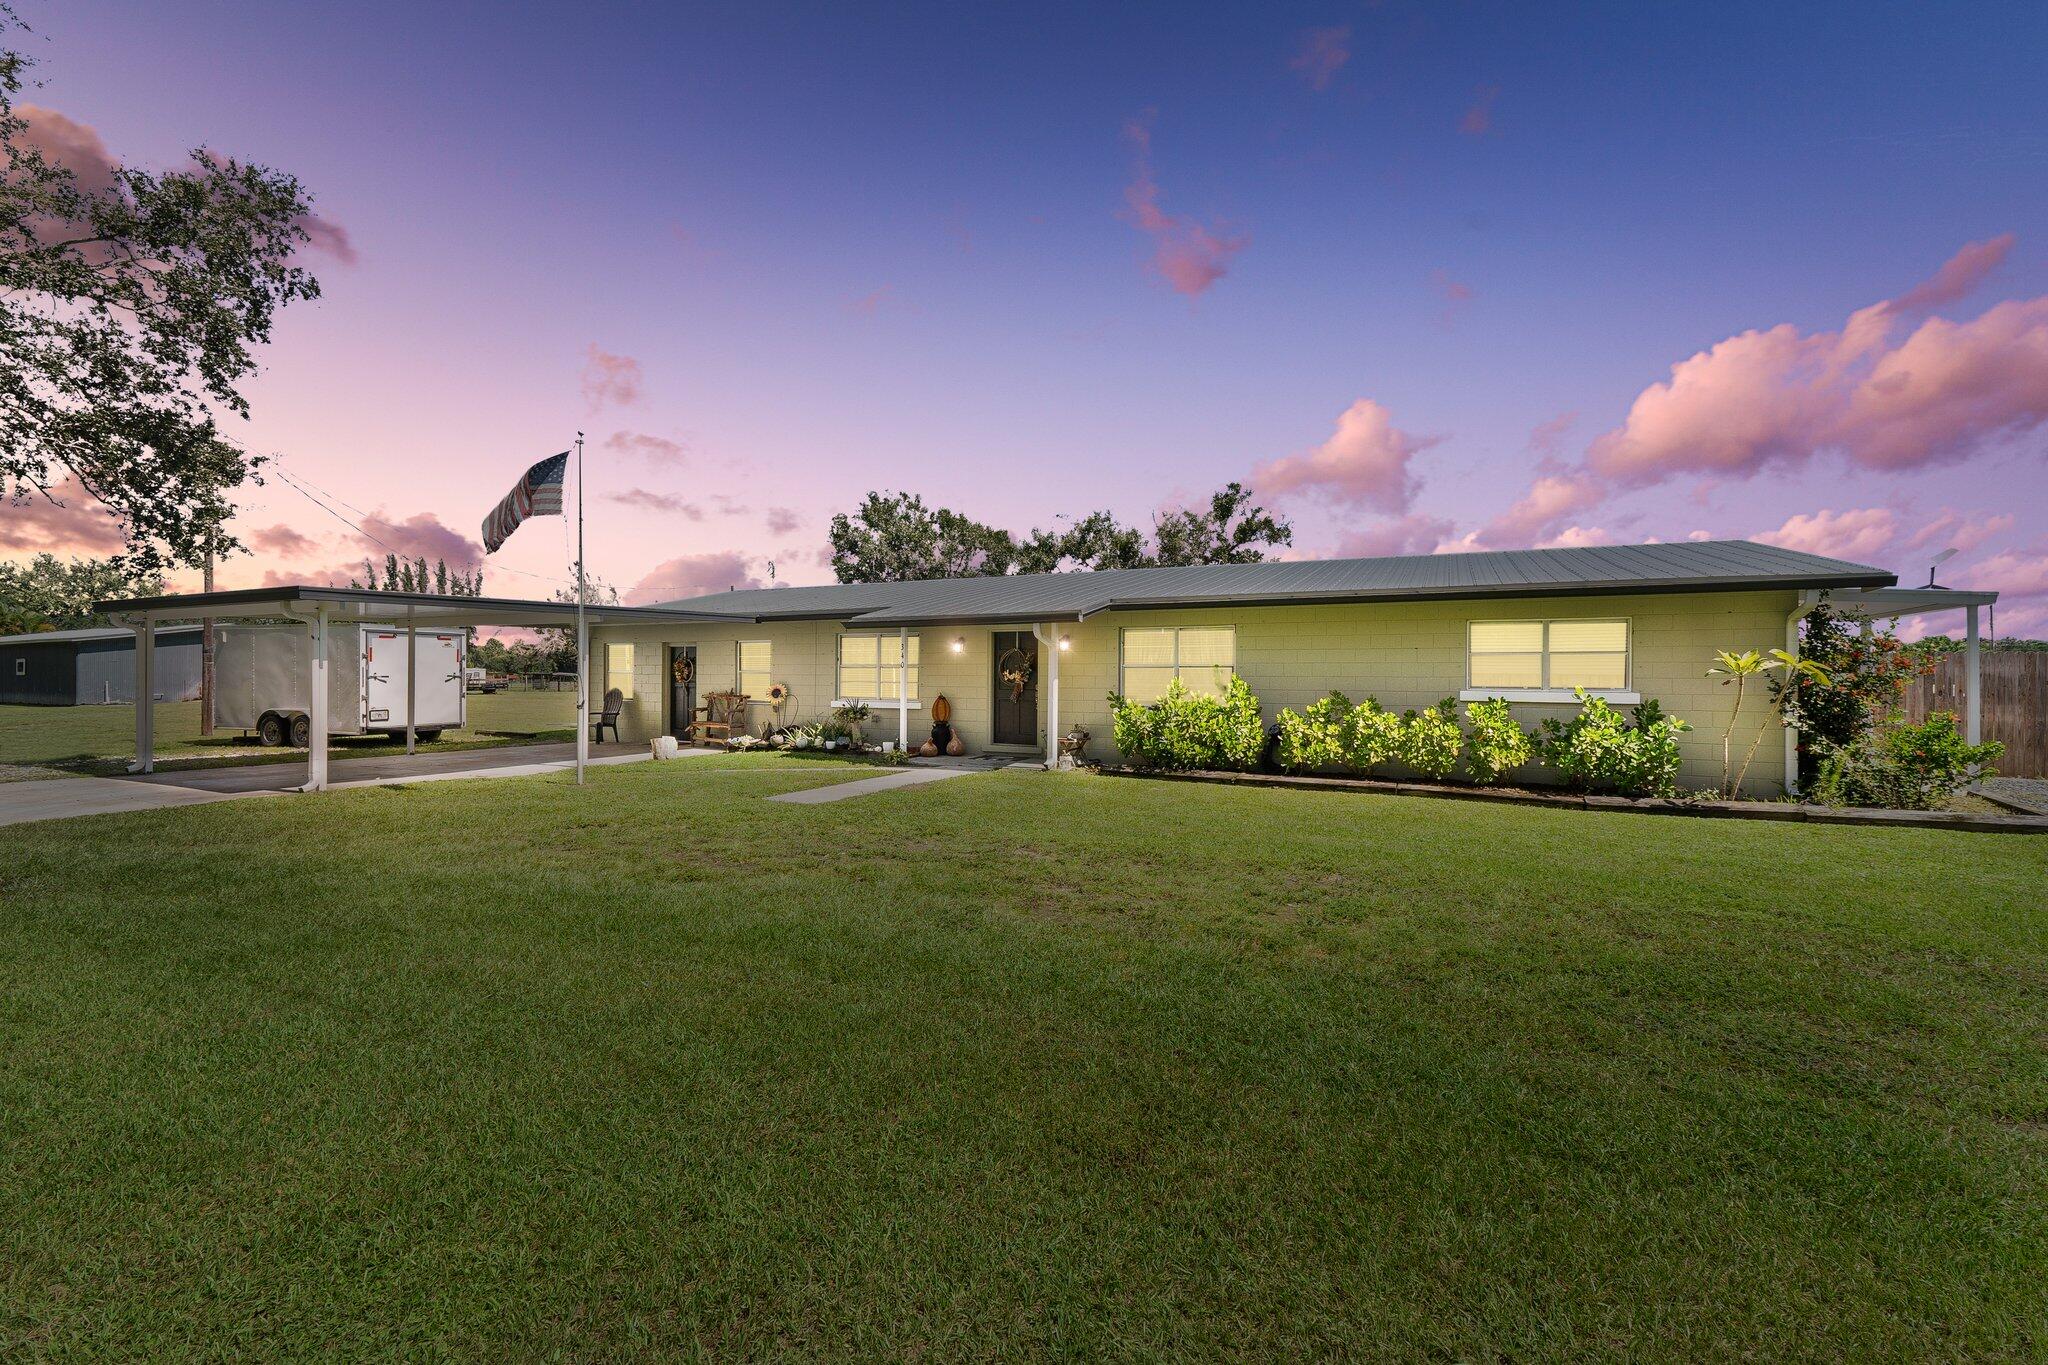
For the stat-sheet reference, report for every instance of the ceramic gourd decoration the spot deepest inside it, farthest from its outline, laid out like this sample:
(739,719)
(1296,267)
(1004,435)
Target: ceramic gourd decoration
(942,710)
(956,746)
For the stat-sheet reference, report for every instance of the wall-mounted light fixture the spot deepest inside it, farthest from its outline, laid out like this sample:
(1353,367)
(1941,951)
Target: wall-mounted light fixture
(1065,644)
(959,644)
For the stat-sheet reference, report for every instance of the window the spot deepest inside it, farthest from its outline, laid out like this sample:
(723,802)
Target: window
(755,664)
(618,669)
(1204,658)
(1505,658)
(20,666)
(868,668)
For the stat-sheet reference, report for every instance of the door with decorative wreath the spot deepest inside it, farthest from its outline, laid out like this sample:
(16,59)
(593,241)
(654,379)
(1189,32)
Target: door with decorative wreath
(1016,688)
(682,690)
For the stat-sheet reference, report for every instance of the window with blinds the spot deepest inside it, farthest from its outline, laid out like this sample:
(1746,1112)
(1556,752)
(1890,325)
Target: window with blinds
(1552,656)
(1204,658)
(618,669)
(868,668)
(756,662)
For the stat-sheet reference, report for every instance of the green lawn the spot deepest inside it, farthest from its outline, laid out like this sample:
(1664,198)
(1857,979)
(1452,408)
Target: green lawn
(1014,1066)
(101,739)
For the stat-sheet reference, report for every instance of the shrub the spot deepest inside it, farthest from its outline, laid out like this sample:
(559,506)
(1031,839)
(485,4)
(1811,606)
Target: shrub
(1183,730)
(1314,738)
(1431,740)
(1372,736)
(1900,766)
(1498,742)
(1599,748)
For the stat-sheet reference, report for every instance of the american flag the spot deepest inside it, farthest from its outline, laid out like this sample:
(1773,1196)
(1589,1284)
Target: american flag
(537,494)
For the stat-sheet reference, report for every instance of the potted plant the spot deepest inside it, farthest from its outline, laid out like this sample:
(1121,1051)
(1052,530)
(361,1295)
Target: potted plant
(849,718)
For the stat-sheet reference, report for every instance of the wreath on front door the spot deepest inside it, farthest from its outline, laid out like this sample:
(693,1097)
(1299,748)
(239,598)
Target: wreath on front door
(1017,668)
(685,670)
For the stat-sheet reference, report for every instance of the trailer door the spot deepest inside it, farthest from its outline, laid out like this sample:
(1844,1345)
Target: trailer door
(383,679)
(442,688)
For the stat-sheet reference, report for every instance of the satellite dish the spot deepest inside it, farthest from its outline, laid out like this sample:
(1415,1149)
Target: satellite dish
(1944,557)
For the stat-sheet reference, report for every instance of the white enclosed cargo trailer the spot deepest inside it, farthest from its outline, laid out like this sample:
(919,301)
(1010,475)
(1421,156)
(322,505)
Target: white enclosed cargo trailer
(262,680)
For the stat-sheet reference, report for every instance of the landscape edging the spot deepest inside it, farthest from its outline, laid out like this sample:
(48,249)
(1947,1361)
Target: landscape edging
(1783,811)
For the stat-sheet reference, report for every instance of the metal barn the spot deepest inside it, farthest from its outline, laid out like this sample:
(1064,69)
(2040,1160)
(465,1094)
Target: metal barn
(94,667)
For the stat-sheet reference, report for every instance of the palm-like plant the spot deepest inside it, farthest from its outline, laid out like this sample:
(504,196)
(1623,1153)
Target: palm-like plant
(1738,669)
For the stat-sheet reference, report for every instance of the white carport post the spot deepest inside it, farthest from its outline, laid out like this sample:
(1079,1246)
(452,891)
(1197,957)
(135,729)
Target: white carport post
(412,673)
(582,690)
(1973,705)
(316,737)
(903,688)
(1049,645)
(145,698)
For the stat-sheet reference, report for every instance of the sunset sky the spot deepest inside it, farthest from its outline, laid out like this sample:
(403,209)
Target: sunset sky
(1430,276)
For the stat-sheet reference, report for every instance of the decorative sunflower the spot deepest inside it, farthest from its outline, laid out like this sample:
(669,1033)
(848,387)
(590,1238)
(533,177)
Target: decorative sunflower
(778,696)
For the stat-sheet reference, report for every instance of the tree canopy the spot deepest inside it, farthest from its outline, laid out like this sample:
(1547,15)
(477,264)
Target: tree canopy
(48,593)
(895,537)
(130,306)
(413,575)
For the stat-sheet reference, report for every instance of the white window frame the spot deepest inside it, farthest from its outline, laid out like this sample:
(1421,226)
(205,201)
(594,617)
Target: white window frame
(890,637)
(1625,695)
(21,665)
(1124,632)
(739,677)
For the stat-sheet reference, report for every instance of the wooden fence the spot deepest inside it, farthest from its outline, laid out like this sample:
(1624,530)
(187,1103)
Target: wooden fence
(2015,686)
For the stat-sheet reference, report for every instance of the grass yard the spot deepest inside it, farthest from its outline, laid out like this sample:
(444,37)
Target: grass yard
(1014,1066)
(51,741)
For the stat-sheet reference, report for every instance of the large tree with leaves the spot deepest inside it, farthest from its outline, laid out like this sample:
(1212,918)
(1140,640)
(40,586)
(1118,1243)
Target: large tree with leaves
(895,537)
(130,310)
(48,593)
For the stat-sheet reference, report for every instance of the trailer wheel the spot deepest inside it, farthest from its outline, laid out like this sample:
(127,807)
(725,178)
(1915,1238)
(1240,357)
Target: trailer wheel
(302,732)
(426,736)
(270,731)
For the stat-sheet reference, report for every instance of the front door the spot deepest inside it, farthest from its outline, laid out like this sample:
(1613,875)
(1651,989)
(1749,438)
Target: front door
(682,689)
(1016,688)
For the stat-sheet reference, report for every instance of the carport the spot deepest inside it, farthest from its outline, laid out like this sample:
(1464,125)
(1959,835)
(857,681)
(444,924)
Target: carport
(316,608)
(1868,604)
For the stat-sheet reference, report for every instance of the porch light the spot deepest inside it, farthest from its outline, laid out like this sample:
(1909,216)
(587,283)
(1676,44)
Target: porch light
(1065,644)
(959,644)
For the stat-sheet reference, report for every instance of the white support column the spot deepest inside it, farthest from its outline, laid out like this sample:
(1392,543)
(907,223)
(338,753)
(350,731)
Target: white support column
(903,688)
(1051,646)
(582,695)
(412,674)
(145,699)
(1973,704)
(1807,598)
(316,708)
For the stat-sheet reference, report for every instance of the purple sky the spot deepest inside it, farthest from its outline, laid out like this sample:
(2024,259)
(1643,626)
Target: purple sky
(1428,275)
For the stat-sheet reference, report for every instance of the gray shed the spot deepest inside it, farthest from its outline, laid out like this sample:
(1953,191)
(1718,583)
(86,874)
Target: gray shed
(94,667)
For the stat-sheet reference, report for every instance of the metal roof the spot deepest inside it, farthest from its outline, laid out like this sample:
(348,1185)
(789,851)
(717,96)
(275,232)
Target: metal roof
(89,633)
(1688,566)
(363,604)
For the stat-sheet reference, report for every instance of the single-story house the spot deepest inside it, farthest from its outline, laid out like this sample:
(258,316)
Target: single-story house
(1024,658)
(94,667)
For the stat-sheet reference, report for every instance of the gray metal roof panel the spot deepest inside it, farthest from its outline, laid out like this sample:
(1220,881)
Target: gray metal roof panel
(90,633)
(1679,566)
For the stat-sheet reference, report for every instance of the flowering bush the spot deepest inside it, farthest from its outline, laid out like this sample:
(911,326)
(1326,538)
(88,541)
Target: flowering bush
(1431,740)
(1904,767)
(1372,736)
(1600,748)
(1184,730)
(1498,742)
(1314,738)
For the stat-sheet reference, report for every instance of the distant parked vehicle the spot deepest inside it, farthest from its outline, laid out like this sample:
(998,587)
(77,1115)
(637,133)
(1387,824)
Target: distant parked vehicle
(482,680)
(262,677)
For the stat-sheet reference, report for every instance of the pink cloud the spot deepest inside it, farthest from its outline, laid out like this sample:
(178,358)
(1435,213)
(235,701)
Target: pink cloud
(1960,274)
(1552,501)
(1364,463)
(1941,392)
(1478,120)
(421,536)
(1545,438)
(868,304)
(280,540)
(610,379)
(1188,255)
(328,238)
(648,500)
(1418,533)
(2018,574)
(1455,293)
(782,520)
(1952,528)
(1322,54)
(658,449)
(70,521)
(1575,537)
(1861,533)
(693,576)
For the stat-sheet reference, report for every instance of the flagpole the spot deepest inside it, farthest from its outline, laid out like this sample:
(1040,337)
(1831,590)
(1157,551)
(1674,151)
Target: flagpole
(582,630)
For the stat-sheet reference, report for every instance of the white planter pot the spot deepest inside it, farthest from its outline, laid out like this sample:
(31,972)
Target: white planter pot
(665,746)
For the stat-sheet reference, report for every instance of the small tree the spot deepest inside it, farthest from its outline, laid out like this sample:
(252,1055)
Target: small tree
(1739,670)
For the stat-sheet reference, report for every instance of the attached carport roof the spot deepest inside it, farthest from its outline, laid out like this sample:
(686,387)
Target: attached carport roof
(360,604)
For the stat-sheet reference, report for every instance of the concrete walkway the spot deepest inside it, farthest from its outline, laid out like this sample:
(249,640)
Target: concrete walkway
(868,786)
(60,798)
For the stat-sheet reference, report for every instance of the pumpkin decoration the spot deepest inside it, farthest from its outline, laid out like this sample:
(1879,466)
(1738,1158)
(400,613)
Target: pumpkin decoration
(942,710)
